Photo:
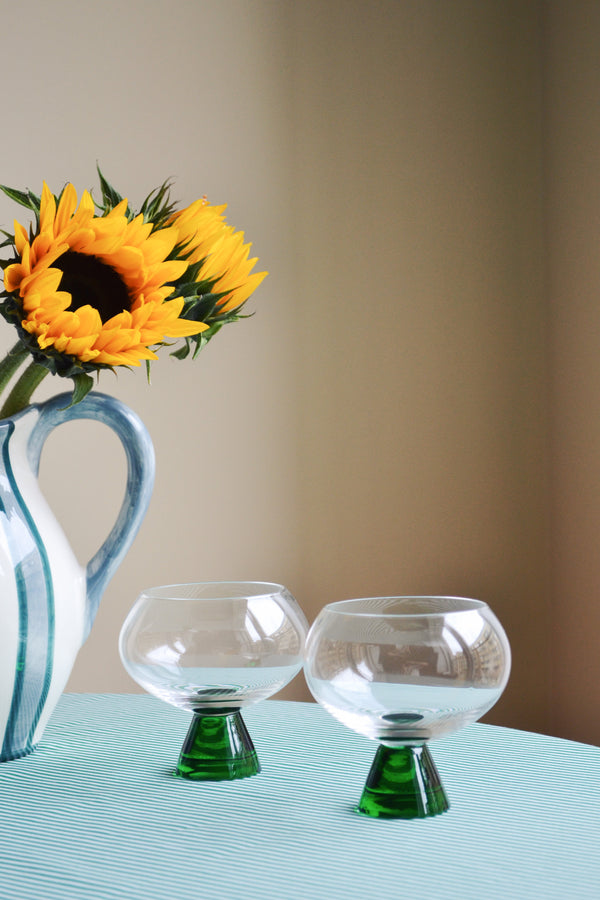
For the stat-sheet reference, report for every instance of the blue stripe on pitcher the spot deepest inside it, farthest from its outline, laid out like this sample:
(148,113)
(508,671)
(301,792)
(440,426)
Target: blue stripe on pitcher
(36,625)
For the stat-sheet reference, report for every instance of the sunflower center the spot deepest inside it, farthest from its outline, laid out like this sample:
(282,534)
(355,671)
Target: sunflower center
(90,281)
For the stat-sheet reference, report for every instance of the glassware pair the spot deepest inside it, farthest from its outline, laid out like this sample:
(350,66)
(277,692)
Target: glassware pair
(399,670)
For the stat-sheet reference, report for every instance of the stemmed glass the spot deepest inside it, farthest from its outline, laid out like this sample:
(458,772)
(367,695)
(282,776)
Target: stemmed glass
(403,670)
(214,648)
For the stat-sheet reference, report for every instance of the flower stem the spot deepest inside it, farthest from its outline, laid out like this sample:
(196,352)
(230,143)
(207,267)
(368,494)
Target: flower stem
(21,393)
(11,362)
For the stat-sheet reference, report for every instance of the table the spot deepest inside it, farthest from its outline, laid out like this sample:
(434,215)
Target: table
(94,812)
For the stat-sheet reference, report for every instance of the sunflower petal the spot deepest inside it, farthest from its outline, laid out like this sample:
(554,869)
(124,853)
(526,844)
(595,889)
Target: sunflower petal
(47,208)
(14,275)
(21,237)
(66,208)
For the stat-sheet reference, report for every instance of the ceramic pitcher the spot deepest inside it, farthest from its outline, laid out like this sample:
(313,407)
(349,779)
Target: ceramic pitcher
(48,601)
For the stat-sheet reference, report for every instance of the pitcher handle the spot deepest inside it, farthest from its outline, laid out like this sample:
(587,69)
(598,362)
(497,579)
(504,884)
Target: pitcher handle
(139,453)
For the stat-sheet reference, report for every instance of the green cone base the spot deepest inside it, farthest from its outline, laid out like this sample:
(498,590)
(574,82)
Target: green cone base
(403,784)
(217,748)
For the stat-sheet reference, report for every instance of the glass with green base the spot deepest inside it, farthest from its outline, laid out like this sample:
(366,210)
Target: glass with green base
(401,671)
(214,648)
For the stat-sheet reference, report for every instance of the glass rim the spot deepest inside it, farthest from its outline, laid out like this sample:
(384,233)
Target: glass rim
(252,590)
(345,607)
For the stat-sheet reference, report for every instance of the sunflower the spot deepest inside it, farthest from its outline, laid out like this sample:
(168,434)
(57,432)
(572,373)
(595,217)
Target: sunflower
(95,287)
(219,253)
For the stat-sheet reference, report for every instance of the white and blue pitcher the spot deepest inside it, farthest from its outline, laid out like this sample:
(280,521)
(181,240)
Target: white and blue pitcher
(48,601)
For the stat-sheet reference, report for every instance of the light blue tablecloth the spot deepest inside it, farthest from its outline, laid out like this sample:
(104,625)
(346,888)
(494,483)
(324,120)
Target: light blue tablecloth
(95,813)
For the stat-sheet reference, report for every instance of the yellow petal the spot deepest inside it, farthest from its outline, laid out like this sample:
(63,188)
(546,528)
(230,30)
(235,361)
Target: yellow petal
(119,210)
(126,259)
(89,320)
(66,208)
(86,204)
(14,275)
(241,294)
(47,208)
(21,237)
(81,240)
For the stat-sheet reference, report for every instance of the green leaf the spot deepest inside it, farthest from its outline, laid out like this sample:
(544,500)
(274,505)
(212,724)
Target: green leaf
(18,196)
(24,198)
(35,202)
(82,385)
(203,339)
(182,352)
(199,308)
(110,196)
(157,208)
(10,239)
(189,289)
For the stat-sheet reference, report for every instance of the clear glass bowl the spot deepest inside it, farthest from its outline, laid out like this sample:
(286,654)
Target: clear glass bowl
(404,670)
(214,648)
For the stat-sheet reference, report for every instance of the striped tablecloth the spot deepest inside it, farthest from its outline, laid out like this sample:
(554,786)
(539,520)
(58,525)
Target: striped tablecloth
(95,813)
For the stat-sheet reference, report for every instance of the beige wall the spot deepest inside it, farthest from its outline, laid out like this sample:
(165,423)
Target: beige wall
(572,38)
(197,91)
(385,421)
(424,460)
